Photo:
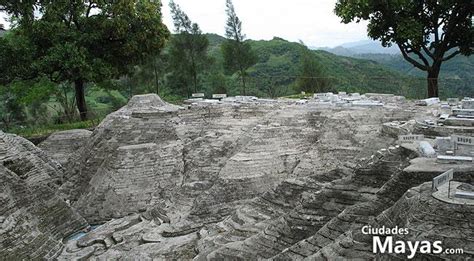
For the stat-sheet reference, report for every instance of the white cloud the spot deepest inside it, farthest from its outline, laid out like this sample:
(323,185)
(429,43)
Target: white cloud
(312,21)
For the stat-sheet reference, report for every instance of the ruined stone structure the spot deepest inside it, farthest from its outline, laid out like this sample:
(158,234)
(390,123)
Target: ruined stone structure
(249,178)
(33,219)
(61,145)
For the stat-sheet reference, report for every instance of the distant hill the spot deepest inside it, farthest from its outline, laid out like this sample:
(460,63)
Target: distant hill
(456,77)
(279,62)
(457,74)
(360,47)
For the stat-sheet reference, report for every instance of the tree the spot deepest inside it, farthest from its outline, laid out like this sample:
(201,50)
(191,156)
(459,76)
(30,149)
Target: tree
(238,54)
(428,32)
(86,41)
(311,76)
(188,51)
(217,83)
(11,110)
(150,73)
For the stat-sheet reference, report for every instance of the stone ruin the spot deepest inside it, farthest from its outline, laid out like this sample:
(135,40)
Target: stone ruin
(234,178)
(33,218)
(61,145)
(451,117)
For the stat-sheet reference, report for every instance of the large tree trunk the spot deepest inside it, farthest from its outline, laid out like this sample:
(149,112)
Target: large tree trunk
(242,75)
(433,74)
(81,98)
(157,80)
(195,81)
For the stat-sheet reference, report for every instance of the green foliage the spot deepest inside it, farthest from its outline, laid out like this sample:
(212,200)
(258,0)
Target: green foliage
(149,76)
(238,57)
(238,54)
(103,101)
(43,130)
(188,53)
(11,110)
(414,23)
(16,53)
(217,83)
(456,79)
(311,77)
(278,68)
(81,41)
(427,32)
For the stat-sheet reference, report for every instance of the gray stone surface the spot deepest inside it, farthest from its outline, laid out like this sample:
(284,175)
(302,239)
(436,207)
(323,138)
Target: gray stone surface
(468,104)
(247,178)
(241,165)
(30,163)
(205,160)
(428,102)
(426,219)
(33,219)
(426,150)
(61,145)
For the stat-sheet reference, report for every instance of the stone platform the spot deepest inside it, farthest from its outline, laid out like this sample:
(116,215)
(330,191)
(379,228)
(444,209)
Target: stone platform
(442,194)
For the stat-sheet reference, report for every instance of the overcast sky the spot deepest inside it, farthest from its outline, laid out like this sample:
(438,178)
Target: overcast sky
(312,21)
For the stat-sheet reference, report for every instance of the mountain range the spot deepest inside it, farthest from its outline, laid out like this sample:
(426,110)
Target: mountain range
(353,49)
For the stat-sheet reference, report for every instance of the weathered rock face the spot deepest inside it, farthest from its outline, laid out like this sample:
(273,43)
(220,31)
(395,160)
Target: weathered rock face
(133,160)
(61,145)
(290,233)
(28,162)
(200,163)
(33,220)
(241,179)
(232,180)
(425,217)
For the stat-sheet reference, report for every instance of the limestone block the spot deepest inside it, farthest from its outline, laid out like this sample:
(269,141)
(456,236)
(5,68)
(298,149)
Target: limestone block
(443,144)
(426,150)
(428,102)
(468,104)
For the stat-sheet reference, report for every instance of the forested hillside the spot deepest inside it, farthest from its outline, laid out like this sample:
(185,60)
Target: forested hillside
(456,74)
(276,73)
(279,63)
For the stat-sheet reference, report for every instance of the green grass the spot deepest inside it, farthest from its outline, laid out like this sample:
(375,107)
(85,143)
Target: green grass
(299,96)
(44,130)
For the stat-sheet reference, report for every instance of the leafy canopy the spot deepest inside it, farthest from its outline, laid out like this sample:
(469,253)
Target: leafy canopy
(428,32)
(188,52)
(238,54)
(312,77)
(87,40)
(427,28)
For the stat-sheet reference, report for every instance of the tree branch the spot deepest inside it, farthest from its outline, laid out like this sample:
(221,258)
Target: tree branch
(422,58)
(428,51)
(451,55)
(90,7)
(411,60)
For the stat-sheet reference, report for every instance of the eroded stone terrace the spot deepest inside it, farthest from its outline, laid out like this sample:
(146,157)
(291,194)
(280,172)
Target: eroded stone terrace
(242,178)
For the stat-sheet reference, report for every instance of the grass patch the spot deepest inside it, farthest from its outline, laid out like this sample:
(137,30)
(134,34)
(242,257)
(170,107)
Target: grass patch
(44,130)
(299,96)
